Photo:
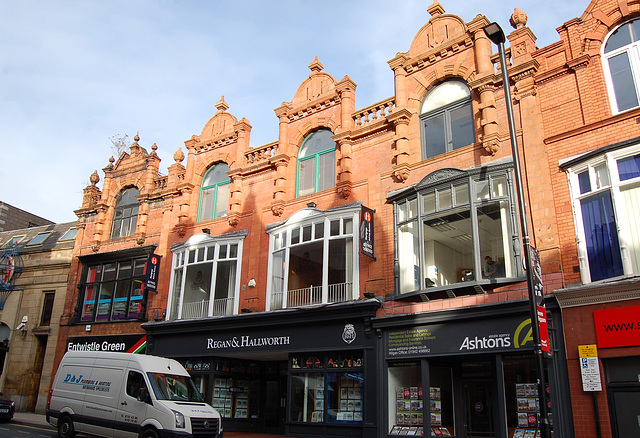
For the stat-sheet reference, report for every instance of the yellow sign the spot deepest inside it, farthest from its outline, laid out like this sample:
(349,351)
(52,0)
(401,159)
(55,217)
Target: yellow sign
(590,350)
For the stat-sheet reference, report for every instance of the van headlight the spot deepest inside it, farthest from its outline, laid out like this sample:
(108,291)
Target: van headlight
(179,420)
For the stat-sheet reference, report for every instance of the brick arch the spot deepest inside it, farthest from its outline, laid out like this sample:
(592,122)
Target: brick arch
(605,22)
(312,125)
(435,78)
(203,167)
(120,186)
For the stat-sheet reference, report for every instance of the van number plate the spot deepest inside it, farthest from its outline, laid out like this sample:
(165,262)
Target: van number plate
(4,411)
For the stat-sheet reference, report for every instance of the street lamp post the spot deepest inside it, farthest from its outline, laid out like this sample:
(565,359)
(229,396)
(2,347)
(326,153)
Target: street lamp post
(496,35)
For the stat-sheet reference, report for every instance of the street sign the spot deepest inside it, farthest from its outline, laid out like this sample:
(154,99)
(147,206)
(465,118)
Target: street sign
(590,368)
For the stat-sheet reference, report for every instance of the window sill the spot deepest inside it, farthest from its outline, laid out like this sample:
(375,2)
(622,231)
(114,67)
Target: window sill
(467,288)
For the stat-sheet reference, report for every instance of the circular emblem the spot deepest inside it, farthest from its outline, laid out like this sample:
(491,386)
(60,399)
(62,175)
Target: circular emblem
(206,424)
(479,407)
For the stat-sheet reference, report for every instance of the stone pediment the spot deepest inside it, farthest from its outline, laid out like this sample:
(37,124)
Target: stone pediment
(220,125)
(317,87)
(437,32)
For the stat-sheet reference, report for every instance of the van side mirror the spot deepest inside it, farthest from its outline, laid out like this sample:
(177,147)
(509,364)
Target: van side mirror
(144,396)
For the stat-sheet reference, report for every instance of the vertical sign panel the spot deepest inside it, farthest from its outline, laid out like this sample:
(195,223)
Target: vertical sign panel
(153,270)
(366,232)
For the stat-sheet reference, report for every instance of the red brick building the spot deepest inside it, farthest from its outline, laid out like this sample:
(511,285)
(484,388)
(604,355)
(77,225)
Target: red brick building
(362,275)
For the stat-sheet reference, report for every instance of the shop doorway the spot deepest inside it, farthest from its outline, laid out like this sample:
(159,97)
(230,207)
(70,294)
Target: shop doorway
(275,398)
(624,395)
(479,398)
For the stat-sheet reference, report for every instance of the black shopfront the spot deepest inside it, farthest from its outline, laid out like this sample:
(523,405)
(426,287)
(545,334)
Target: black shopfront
(301,372)
(468,372)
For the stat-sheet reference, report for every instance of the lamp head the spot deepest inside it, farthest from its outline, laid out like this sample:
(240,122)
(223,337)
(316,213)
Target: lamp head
(494,33)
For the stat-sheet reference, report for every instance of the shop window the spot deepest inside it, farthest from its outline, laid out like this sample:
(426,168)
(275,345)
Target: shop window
(125,213)
(206,276)
(113,291)
(313,258)
(456,233)
(606,200)
(236,387)
(406,400)
(447,118)
(622,66)
(521,393)
(214,193)
(47,308)
(316,163)
(327,388)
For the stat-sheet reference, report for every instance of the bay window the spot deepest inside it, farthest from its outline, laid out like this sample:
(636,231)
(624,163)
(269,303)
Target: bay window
(113,291)
(314,258)
(456,229)
(605,191)
(206,276)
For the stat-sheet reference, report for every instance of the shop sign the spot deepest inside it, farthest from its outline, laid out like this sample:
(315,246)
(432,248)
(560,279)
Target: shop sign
(117,343)
(617,327)
(489,335)
(589,368)
(244,340)
(366,232)
(153,270)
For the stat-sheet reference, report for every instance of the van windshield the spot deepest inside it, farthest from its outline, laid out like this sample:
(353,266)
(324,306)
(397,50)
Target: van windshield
(174,388)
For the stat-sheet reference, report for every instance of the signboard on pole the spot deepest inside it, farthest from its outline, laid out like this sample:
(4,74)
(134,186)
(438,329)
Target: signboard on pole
(540,306)
(589,368)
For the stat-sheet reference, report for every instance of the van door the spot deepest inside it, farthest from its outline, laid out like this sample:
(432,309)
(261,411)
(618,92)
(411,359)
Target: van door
(131,411)
(99,410)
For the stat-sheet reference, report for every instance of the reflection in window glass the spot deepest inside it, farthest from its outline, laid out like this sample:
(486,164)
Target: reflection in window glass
(408,254)
(316,163)
(621,53)
(307,397)
(345,398)
(214,193)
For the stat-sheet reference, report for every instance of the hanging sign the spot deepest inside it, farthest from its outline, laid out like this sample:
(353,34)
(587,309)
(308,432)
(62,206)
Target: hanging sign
(153,270)
(366,232)
(540,306)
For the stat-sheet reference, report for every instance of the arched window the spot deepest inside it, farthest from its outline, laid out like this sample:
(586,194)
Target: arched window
(622,65)
(447,118)
(316,163)
(214,193)
(125,214)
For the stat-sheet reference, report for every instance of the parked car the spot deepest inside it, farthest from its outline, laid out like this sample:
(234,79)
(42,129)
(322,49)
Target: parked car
(7,408)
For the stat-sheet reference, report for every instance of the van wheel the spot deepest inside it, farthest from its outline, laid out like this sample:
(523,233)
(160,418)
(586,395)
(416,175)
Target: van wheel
(65,427)
(149,433)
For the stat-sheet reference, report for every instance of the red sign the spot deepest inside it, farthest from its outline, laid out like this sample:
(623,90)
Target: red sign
(618,327)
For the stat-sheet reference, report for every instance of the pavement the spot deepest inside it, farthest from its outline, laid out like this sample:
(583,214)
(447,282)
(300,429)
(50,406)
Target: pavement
(30,418)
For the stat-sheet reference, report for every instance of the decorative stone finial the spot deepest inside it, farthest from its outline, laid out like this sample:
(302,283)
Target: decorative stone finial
(221,105)
(154,148)
(137,137)
(315,65)
(94,178)
(111,161)
(435,9)
(518,19)
(179,155)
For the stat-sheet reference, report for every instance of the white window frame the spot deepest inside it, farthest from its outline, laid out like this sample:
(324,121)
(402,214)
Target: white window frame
(311,216)
(619,206)
(180,262)
(633,51)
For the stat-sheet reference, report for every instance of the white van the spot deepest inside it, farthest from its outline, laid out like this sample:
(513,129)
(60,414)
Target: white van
(128,395)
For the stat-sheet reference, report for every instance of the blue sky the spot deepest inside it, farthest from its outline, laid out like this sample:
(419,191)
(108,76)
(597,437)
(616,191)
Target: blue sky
(73,74)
